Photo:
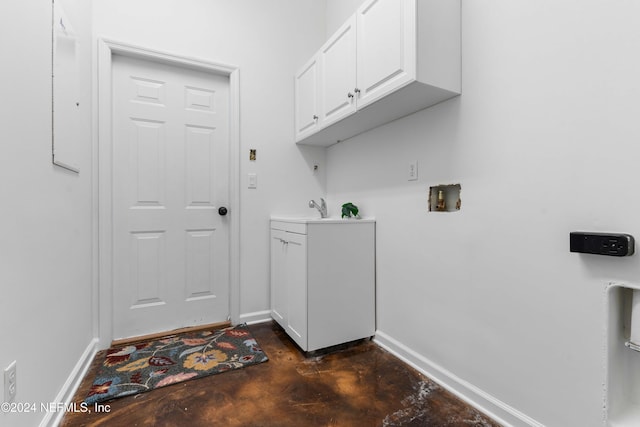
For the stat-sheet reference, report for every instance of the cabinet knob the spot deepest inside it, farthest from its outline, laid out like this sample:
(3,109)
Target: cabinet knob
(315,117)
(222,211)
(356,90)
(350,95)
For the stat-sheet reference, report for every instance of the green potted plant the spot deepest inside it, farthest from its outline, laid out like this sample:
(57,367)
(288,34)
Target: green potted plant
(349,210)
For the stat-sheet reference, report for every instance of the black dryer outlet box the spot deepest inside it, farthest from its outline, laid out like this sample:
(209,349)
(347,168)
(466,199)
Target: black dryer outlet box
(611,244)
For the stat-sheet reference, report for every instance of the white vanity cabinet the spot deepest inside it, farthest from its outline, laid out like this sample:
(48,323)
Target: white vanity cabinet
(323,280)
(390,59)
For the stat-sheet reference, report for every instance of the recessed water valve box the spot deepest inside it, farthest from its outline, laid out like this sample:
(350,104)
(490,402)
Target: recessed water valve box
(611,244)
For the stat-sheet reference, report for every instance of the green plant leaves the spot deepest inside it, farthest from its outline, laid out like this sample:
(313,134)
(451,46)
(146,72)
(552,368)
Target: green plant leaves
(349,210)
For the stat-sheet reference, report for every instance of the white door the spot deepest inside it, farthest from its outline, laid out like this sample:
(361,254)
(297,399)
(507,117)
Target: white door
(338,71)
(170,176)
(306,90)
(386,45)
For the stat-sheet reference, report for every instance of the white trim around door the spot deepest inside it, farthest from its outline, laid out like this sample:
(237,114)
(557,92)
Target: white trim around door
(102,203)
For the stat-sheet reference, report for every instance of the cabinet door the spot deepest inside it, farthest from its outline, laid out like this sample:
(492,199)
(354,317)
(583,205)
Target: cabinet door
(278,278)
(338,74)
(306,88)
(296,279)
(386,47)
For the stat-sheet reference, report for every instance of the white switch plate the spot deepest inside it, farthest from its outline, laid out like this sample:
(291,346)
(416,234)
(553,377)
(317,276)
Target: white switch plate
(253,180)
(412,172)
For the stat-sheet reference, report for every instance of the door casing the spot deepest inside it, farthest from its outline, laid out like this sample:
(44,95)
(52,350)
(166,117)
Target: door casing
(102,167)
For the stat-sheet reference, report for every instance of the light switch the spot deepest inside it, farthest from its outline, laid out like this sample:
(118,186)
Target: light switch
(253,180)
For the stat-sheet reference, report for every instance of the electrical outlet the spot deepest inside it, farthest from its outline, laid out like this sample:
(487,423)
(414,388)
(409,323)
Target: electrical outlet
(10,382)
(413,171)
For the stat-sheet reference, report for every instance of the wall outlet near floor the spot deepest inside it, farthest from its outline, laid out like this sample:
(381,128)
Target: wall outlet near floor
(10,383)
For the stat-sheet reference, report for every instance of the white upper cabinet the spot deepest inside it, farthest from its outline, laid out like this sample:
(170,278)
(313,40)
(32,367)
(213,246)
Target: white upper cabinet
(338,74)
(386,47)
(307,106)
(390,59)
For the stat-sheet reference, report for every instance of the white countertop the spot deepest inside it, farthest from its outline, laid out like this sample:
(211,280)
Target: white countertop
(318,220)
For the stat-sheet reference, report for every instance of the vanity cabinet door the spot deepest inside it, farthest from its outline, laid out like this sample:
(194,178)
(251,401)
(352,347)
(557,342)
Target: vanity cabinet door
(278,278)
(338,74)
(296,279)
(386,41)
(307,103)
(289,283)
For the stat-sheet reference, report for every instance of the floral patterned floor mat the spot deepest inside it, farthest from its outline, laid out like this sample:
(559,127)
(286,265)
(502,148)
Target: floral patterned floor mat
(141,367)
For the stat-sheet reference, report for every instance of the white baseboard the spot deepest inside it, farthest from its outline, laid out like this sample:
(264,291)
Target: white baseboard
(52,419)
(256,317)
(484,402)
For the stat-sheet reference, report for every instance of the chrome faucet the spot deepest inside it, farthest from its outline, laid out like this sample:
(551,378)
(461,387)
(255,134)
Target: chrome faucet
(322,207)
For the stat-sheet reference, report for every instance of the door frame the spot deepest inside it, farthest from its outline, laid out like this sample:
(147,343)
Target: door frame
(102,177)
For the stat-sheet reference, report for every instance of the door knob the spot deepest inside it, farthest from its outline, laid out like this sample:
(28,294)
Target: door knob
(222,211)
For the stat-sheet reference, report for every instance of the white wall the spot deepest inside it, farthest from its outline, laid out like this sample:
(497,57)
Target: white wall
(337,12)
(268,41)
(45,219)
(544,141)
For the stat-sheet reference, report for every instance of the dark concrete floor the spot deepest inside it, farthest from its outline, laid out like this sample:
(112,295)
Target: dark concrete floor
(358,385)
